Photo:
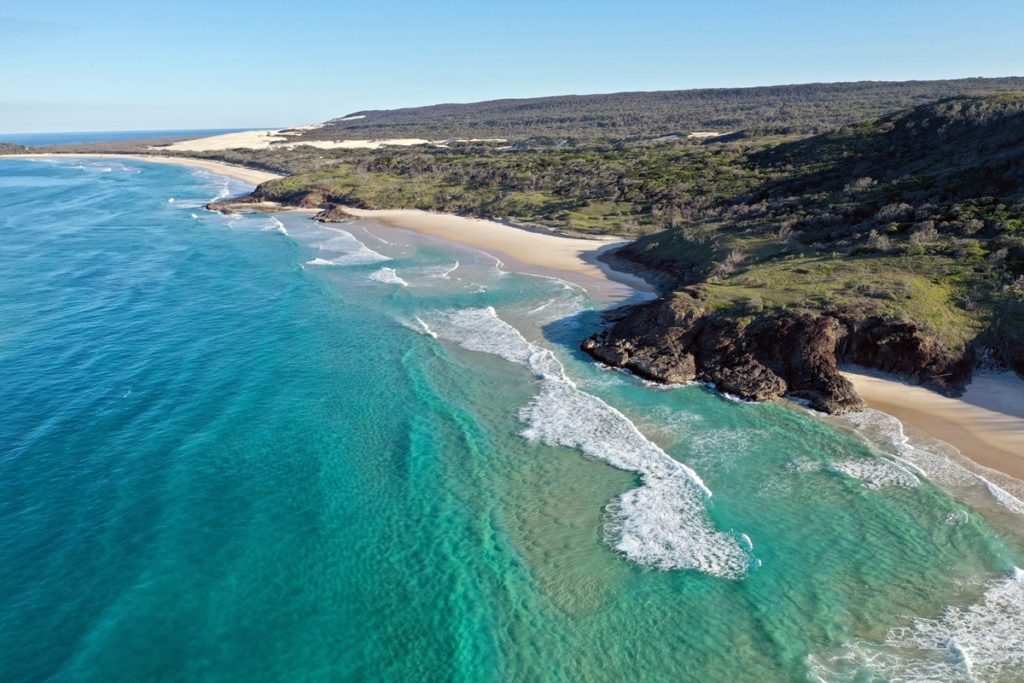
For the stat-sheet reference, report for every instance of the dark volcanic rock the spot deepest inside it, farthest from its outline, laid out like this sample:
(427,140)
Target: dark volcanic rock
(333,213)
(675,340)
(901,347)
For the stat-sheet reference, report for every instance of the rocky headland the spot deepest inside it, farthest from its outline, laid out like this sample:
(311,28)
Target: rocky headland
(676,340)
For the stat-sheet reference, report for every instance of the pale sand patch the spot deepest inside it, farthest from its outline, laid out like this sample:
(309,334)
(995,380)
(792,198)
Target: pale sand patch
(569,258)
(248,139)
(986,424)
(246,175)
(265,139)
(281,139)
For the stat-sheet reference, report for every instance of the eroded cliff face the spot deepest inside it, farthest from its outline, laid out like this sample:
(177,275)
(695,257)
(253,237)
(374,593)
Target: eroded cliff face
(676,340)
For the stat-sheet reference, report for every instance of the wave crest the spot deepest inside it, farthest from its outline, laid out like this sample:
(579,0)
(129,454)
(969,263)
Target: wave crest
(662,524)
(984,641)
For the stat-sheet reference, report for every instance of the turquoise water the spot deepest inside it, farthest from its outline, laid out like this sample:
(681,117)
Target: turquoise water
(263,449)
(83,137)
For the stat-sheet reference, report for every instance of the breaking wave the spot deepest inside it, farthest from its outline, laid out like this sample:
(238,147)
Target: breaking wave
(663,523)
(275,225)
(940,463)
(984,641)
(876,473)
(349,250)
(387,275)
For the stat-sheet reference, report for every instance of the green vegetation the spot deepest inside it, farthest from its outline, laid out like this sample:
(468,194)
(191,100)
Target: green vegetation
(917,214)
(622,189)
(930,290)
(803,109)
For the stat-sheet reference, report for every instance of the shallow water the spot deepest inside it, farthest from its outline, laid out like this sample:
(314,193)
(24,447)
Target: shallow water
(260,448)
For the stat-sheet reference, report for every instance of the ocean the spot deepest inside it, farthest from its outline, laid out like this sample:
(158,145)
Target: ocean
(83,137)
(259,448)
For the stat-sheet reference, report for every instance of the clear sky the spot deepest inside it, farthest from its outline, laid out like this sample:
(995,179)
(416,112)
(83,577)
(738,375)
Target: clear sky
(149,64)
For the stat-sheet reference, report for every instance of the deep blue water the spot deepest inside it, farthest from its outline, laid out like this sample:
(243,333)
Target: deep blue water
(259,448)
(81,137)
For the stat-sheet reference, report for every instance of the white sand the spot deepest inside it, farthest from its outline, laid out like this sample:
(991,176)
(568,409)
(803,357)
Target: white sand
(282,139)
(246,175)
(986,424)
(569,258)
(279,139)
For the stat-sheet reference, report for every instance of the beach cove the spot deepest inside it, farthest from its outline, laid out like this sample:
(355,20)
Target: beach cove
(991,437)
(545,501)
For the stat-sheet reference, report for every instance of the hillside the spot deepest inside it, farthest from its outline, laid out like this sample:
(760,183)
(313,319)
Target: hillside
(896,241)
(787,108)
(900,241)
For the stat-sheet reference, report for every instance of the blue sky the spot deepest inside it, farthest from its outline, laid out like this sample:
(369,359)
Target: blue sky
(117,65)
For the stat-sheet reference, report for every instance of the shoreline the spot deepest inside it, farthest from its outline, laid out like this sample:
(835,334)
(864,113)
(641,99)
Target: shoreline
(251,176)
(986,424)
(521,248)
(534,252)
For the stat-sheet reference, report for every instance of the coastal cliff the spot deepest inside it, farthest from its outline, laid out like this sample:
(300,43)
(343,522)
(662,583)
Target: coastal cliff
(677,340)
(895,243)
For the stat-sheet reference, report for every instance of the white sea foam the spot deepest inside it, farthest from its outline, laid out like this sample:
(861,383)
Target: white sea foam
(938,462)
(170,200)
(664,522)
(876,472)
(955,518)
(349,250)
(802,465)
(195,217)
(981,642)
(1004,497)
(93,166)
(225,188)
(571,286)
(540,308)
(352,259)
(446,274)
(387,275)
(275,225)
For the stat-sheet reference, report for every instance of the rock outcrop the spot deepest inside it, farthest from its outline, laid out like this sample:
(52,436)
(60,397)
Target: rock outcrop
(676,340)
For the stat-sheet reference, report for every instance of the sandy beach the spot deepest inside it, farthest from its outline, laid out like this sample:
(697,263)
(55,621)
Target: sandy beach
(986,424)
(519,249)
(572,259)
(246,175)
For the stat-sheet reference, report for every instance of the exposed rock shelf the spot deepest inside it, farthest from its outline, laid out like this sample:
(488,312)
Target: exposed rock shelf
(676,340)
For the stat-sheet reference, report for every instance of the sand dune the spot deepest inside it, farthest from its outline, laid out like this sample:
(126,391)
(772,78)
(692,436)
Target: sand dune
(265,139)
(284,139)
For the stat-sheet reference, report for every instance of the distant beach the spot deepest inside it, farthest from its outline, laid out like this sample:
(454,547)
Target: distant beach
(986,425)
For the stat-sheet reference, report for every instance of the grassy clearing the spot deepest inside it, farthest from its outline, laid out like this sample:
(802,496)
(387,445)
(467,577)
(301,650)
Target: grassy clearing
(932,291)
